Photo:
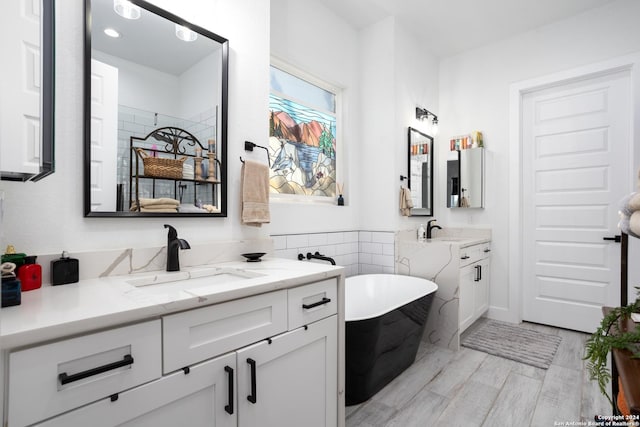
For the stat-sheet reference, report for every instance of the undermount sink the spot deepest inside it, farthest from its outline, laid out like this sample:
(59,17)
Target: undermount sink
(449,239)
(193,278)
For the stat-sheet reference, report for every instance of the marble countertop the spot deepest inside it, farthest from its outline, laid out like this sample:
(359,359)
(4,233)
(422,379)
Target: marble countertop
(52,312)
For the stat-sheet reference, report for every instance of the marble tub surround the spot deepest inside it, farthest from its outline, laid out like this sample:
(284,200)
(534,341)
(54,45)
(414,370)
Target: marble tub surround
(53,312)
(438,260)
(116,262)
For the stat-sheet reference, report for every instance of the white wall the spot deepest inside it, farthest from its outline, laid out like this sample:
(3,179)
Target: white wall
(199,87)
(396,76)
(138,86)
(474,95)
(46,217)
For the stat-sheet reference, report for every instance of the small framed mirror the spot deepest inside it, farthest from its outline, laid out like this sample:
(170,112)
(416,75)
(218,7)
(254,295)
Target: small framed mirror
(27,88)
(155,135)
(465,178)
(420,167)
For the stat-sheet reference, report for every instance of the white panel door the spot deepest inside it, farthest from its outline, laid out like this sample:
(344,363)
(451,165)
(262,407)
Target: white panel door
(576,147)
(104,136)
(294,379)
(20,87)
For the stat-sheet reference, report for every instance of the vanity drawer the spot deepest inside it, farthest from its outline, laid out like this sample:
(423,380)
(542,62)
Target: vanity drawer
(312,302)
(196,335)
(474,253)
(53,378)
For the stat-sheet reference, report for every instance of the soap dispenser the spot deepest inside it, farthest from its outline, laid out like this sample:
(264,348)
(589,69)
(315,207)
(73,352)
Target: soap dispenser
(64,270)
(422,233)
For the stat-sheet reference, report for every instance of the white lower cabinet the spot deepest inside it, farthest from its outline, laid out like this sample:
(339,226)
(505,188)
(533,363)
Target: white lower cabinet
(292,380)
(225,365)
(474,285)
(202,397)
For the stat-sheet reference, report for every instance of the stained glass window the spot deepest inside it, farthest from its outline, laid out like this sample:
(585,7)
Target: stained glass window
(302,136)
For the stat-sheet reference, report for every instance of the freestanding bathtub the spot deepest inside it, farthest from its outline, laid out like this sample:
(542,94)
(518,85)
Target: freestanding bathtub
(385,316)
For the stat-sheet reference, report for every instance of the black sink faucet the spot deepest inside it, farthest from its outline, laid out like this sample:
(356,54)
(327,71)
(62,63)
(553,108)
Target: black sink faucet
(430,228)
(173,245)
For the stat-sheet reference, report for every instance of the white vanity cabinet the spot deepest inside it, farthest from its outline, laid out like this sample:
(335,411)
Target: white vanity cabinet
(200,398)
(473,283)
(267,360)
(292,380)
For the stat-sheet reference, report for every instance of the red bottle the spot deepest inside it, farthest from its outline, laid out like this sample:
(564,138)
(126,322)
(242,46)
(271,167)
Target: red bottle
(30,274)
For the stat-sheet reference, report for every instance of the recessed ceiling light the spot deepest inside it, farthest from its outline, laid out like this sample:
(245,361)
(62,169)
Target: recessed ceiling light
(111,33)
(126,9)
(185,34)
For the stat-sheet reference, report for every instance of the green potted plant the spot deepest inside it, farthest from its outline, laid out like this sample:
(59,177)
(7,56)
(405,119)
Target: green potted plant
(607,337)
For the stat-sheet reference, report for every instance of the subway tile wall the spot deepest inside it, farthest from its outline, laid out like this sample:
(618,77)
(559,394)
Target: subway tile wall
(359,252)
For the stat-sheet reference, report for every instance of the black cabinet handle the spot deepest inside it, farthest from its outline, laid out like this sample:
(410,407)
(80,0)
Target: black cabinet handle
(617,238)
(315,304)
(479,273)
(487,250)
(253,396)
(66,379)
(229,407)
(464,257)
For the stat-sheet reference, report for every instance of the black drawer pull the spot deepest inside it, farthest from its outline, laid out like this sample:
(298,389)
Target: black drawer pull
(323,301)
(66,379)
(229,407)
(465,257)
(477,278)
(253,396)
(487,250)
(617,238)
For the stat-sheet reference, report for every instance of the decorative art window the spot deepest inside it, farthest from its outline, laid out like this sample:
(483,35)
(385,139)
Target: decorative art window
(302,135)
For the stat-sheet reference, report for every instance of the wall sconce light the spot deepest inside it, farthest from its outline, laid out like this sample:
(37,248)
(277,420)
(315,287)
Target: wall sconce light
(126,9)
(423,114)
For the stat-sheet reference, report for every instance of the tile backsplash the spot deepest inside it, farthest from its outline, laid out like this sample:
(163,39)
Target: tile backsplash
(359,252)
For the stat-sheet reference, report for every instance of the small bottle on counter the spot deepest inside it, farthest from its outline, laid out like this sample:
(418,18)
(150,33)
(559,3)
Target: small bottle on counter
(422,233)
(64,270)
(10,286)
(30,274)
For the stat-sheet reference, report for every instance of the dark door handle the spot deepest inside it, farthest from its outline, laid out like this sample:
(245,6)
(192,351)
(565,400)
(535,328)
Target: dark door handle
(253,396)
(479,273)
(616,238)
(315,304)
(229,407)
(477,278)
(66,379)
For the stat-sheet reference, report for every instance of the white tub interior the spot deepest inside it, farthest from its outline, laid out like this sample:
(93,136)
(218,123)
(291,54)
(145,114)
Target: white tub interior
(372,295)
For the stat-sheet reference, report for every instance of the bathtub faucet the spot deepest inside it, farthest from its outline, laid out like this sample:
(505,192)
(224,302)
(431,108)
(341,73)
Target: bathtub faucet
(317,255)
(430,228)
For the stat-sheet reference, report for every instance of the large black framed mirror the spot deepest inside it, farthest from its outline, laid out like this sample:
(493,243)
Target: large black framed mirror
(155,105)
(420,167)
(27,89)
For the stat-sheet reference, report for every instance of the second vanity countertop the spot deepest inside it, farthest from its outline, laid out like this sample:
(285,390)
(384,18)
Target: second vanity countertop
(52,312)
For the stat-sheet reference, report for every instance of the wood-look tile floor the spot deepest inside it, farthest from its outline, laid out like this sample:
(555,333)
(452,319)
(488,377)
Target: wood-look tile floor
(471,388)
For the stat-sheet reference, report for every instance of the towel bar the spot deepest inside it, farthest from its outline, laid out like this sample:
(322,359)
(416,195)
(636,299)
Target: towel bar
(249,146)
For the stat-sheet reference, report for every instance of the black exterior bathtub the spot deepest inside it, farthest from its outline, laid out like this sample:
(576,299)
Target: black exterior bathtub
(381,347)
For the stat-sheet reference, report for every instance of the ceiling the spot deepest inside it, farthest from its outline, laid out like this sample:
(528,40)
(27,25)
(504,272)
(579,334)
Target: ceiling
(448,27)
(148,41)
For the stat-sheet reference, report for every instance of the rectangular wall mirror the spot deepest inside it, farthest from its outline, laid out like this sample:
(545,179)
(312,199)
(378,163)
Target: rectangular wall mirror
(155,113)
(420,166)
(465,178)
(27,43)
